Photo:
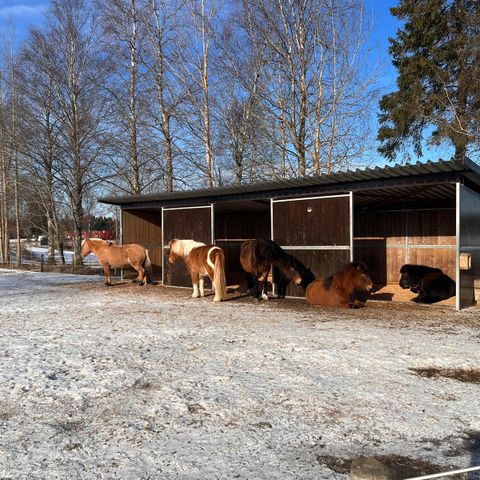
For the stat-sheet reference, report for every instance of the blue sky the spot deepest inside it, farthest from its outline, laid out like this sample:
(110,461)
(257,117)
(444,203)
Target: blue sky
(23,13)
(20,14)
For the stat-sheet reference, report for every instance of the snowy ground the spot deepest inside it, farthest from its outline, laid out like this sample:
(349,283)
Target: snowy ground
(137,382)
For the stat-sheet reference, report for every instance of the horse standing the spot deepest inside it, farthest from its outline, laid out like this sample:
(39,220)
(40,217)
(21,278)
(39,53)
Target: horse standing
(201,260)
(346,289)
(258,256)
(120,256)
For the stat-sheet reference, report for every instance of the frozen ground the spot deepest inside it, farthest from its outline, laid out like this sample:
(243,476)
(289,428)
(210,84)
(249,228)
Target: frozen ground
(143,382)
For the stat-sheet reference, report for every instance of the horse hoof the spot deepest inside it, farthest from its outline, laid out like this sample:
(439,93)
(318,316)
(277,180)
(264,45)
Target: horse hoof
(264,297)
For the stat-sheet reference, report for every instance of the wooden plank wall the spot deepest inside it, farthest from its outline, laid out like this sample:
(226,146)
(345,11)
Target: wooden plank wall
(319,222)
(145,228)
(469,243)
(231,230)
(387,240)
(188,223)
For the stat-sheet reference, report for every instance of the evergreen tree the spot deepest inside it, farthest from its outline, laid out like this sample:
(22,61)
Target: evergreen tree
(436,53)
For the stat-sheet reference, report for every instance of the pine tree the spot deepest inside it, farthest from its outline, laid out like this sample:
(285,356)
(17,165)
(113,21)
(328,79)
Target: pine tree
(436,53)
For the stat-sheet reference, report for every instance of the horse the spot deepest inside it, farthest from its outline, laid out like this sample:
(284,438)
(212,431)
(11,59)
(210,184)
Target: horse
(346,289)
(119,256)
(257,257)
(431,284)
(201,260)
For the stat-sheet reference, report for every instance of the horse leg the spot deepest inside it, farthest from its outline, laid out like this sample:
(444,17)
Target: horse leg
(106,270)
(256,288)
(201,284)
(265,285)
(195,281)
(141,275)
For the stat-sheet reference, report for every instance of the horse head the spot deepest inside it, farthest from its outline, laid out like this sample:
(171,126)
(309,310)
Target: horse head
(173,252)
(290,268)
(361,281)
(86,247)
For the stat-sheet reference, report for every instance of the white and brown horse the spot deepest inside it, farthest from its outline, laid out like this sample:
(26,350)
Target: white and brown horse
(120,256)
(201,260)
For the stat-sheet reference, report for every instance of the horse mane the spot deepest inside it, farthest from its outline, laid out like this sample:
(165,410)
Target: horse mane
(327,282)
(184,247)
(273,251)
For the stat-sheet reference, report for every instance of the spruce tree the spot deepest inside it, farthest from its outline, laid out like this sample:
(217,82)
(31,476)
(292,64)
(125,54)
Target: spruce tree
(436,53)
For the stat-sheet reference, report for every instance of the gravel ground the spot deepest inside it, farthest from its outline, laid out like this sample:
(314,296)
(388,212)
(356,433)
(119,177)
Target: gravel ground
(145,382)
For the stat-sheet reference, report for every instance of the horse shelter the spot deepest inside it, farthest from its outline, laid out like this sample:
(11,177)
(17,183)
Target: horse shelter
(423,213)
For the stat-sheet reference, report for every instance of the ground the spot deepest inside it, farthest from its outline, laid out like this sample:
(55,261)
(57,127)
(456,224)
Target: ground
(145,382)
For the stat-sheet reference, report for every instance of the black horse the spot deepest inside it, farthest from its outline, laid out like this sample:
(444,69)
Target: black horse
(431,284)
(282,282)
(257,257)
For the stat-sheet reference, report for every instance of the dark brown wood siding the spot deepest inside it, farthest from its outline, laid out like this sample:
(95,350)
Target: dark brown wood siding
(185,224)
(144,227)
(469,243)
(231,230)
(387,240)
(319,222)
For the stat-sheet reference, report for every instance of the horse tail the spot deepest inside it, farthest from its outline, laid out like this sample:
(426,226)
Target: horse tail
(219,280)
(147,264)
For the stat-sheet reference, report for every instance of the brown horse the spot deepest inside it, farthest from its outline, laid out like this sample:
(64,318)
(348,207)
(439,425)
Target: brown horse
(257,257)
(119,256)
(201,260)
(346,289)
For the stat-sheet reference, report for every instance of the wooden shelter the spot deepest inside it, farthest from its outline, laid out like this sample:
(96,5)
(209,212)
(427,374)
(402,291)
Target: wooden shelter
(425,213)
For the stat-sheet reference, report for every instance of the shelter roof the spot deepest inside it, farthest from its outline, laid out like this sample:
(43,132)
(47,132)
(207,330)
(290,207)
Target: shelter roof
(430,181)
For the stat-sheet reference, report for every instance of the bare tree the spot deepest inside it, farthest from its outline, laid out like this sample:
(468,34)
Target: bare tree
(122,23)
(162,23)
(5,172)
(79,107)
(41,124)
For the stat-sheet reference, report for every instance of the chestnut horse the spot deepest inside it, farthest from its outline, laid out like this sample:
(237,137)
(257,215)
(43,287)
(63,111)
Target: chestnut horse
(257,257)
(119,256)
(201,260)
(346,289)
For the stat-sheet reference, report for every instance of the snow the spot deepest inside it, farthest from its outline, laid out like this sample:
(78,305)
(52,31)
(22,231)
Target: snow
(145,382)
(89,259)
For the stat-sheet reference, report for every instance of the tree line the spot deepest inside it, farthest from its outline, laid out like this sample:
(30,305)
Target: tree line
(139,96)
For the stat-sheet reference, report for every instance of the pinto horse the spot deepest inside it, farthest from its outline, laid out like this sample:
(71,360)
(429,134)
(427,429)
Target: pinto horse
(119,256)
(346,289)
(201,260)
(258,256)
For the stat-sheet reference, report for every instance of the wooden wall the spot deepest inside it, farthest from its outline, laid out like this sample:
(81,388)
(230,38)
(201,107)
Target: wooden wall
(320,224)
(144,227)
(231,230)
(469,243)
(185,223)
(387,240)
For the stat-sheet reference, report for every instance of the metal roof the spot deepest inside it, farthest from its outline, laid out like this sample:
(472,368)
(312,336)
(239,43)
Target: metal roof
(405,179)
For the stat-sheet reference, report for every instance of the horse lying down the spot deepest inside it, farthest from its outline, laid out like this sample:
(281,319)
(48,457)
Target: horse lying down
(431,284)
(348,288)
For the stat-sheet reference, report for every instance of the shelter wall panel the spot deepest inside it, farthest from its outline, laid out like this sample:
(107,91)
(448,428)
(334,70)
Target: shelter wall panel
(383,226)
(321,221)
(237,225)
(233,269)
(323,263)
(431,227)
(383,262)
(443,258)
(469,243)
(145,228)
(187,224)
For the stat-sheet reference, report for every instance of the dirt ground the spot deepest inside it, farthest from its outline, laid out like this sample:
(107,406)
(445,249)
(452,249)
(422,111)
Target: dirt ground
(145,382)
